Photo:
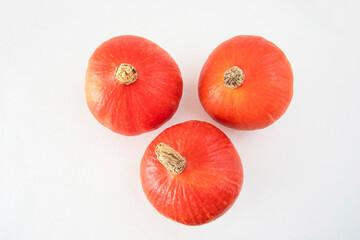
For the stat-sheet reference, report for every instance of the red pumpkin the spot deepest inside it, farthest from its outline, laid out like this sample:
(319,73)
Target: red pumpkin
(191,173)
(132,85)
(246,83)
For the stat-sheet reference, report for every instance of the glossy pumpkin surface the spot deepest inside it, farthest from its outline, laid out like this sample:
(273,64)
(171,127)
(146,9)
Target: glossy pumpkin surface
(266,90)
(210,182)
(142,105)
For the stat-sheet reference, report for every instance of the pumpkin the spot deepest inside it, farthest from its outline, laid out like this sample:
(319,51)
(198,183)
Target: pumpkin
(191,173)
(132,85)
(246,83)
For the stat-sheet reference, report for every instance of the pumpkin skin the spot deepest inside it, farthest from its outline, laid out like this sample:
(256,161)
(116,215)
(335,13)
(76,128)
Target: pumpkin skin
(210,182)
(143,105)
(267,87)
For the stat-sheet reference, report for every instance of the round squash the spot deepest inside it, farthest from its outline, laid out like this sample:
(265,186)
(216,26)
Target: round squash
(246,83)
(132,85)
(191,173)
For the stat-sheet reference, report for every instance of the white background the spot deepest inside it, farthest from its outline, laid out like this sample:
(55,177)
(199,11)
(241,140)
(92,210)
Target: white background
(64,176)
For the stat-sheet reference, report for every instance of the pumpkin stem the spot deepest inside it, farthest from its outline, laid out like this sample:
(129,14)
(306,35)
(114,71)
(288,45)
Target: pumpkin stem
(170,158)
(125,74)
(234,77)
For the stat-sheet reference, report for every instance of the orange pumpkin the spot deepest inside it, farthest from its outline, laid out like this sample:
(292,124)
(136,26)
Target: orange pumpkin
(191,173)
(132,85)
(246,83)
